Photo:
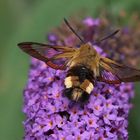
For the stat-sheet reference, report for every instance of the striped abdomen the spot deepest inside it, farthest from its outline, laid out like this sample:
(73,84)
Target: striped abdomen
(79,83)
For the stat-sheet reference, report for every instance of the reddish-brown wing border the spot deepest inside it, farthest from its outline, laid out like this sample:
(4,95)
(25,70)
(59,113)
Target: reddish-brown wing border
(123,73)
(34,49)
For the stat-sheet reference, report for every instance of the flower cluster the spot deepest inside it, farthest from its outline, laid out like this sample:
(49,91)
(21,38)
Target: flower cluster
(51,116)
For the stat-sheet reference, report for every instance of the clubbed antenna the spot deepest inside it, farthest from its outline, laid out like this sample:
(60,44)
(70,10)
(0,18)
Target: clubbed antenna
(72,29)
(108,36)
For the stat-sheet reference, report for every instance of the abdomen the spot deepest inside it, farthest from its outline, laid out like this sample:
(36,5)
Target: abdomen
(79,83)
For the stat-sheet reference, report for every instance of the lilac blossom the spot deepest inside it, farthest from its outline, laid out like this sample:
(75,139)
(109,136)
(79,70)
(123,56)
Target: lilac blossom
(51,116)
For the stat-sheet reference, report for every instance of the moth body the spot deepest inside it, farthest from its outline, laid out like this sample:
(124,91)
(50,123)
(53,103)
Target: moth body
(79,83)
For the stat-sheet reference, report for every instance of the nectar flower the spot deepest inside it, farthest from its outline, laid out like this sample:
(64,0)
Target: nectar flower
(51,116)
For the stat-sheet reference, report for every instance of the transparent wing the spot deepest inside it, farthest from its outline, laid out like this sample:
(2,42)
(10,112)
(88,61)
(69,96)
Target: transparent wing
(108,77)
(54,56)
(116,72)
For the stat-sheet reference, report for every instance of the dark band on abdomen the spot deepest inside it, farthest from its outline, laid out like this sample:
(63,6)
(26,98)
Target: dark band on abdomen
(79,83)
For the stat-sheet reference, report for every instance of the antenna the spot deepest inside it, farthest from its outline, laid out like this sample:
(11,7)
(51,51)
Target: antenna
(108,36)
(72,29)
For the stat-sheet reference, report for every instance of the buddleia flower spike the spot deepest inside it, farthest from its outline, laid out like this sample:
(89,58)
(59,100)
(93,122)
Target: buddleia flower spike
(52,116)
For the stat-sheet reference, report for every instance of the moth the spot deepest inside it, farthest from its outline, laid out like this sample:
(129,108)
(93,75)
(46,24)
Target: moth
(84,66)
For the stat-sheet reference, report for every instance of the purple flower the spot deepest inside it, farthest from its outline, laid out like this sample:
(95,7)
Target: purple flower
(52,38)
(51,116)
(91,22)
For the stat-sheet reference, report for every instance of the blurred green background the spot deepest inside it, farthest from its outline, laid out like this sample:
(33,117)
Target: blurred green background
(29,20)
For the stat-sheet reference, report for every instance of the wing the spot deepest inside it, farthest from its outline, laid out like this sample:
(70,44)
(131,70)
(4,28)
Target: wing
(114,73)
(54,56)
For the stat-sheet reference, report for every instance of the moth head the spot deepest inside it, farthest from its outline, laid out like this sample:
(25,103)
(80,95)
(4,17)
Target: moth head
(87,48)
